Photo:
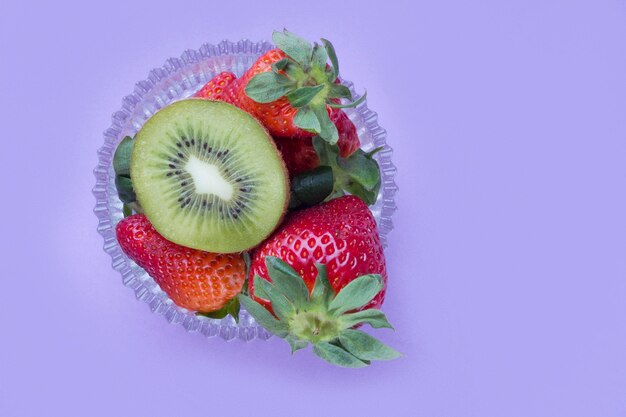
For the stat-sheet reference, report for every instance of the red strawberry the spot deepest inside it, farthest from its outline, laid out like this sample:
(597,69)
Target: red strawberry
(278,115)
(294,93)
(193,279)
(348,139)
(321,275)
(340,234)
(299,153)
(214,89)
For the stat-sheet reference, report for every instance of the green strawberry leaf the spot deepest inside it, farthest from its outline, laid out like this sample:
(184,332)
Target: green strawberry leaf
(287,281)
(121,158)
(264,317)
(320,56)
(283,308)
(371,316)
(328,130)
(352,104)
(322,291)
(305,119)
(325,152)
(295,343)
(366,347)
(127,210)
(121,166)
(296,47)
(336,194)
(125,189)
(295,72)
(354,188)
(336,355)
(232,307)
(356,294)
(339,91)
(330,50)
(217,314)
(247,260)
(260,291)
(359,174)
(312,187)
(290,68)
(361,168)
(303,95)
(269,86)
(280,65)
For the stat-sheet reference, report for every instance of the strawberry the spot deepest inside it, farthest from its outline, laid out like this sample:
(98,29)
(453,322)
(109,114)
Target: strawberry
(299,153)
(196,280)
(340,234)
(215,89)
(318,277)
(348,139)
(294,93)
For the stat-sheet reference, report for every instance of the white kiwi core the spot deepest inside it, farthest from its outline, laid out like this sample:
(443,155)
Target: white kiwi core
(207,178)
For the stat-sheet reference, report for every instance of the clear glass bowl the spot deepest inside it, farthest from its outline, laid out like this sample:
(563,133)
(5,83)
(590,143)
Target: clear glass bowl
(179,78)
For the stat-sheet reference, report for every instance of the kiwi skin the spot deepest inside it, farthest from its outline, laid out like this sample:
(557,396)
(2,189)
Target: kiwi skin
(221,244)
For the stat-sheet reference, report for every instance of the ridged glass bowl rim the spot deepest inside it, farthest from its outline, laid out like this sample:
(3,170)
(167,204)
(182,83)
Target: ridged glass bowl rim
(106,201)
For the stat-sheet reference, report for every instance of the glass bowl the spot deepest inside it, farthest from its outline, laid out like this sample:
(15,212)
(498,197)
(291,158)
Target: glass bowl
(179,78)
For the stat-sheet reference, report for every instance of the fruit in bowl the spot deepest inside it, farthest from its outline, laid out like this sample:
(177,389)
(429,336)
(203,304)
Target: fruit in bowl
(248,181)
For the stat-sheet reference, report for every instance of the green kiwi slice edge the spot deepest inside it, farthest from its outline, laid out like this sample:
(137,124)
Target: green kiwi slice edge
(208,176)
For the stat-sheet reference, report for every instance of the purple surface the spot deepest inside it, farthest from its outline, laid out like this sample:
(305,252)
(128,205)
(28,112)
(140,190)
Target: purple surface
(507,266)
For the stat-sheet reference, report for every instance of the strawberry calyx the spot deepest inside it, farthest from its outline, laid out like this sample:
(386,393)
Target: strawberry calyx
(311,187)
(321,317)
(358,174)
(231,308)
(123,182)
(307,81)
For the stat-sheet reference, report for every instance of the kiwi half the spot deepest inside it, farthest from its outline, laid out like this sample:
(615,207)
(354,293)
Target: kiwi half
(208,176)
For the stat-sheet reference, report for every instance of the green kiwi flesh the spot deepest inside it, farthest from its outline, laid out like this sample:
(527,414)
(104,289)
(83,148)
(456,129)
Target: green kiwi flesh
(208,176)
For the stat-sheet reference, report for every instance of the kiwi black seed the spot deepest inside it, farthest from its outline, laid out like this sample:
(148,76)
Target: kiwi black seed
(208,176)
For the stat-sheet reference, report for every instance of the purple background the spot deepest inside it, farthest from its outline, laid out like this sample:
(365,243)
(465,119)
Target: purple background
(507,265)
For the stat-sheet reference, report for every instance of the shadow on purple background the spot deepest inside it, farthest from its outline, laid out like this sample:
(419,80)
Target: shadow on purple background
(507,265)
